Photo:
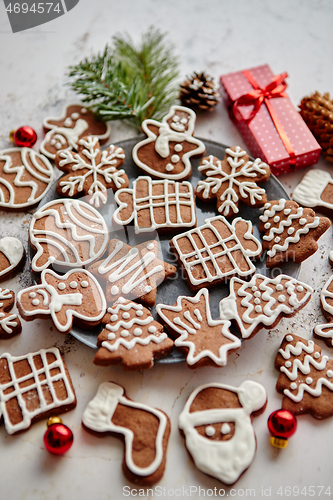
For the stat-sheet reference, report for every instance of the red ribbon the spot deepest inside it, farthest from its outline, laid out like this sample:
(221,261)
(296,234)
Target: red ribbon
(257,97)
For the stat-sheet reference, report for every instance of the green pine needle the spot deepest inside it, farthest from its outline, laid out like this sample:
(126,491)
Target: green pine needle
(126,82)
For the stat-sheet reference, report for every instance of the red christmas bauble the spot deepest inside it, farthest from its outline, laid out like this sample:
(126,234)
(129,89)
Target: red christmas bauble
(282,424)
(58,438)
(24,137)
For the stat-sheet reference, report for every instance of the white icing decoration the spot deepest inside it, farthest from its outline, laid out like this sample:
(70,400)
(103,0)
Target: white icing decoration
(126,315)
(84,284)
(98,417)
(35,302)
(277,239)
(61,286)
(291,230)
(73,284)
(171,199)
(210,431)
(279,288)
(32,164)
(267,225)
(123,333)
(309,191)
(271,307)
(166,134)
(178,148)
(137,331)
(191,327)
(53,372)
(196,257)
(289,338)
(309,380)
(316,355)
(75,116)
(175,158)
(225,460)
(114,290)
(326,330)
(225,429)
(282,298)
(68,122)
(288,364)
(216,176)
(152,329)
(276,218)
(300,288)
(32,295)
(13,250)
(85,231)
(139,313)
(293,386)
(150,246)
(114,317)
(329,373)
(258,309)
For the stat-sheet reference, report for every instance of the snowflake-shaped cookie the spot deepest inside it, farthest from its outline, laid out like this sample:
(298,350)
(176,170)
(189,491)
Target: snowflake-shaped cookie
(233,180)
(90,171)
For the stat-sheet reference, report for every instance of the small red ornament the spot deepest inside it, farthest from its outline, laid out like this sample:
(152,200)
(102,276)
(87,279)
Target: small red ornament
(281,424)
(58,438)
(23,137)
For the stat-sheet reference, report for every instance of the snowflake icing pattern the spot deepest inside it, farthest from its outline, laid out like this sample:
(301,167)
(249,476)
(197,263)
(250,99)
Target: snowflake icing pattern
(91,171)
(233,179)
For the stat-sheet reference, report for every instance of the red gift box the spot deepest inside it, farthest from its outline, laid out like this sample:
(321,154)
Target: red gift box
(270,125)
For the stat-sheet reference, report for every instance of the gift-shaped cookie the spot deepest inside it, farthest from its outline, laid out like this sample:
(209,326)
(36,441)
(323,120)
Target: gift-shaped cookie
(74,296)
(233,180)
(161,205)
(204,341)
(131,337)
(169,146)
(64,132)
(10,323)
(290,231)
(132,272)
(90,171)
(216,251)
(262,302)
(217,425)
(325,330)
(306,377)
(12,256)
(34,386)
(316,191)
(145,430)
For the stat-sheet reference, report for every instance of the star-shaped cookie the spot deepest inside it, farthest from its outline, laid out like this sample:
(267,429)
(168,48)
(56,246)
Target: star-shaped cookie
(132,272)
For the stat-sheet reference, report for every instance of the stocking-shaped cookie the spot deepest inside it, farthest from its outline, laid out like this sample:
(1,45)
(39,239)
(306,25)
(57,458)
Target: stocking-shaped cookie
(262,302)
(10,323)
(325,331)
(290,232)
(233,180)
(131,337)
(145,430)
(65,131)
(75,296)
(203,340)
(216,421)
(316,191)
(216,251)
(306,377)
(170,144)
(90,171)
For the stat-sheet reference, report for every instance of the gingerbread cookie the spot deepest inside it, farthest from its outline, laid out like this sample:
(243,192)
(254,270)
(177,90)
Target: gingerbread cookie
(131,337)
(145,431)
(66,234)
(25,178)
(233,180)
(316,191)
(290,232)
(10,323)
(216,251)
(203,340)
(90,171)
(12,256)
(325,331)
(65,131)
(217,425)
(156,205)
(306,377)
(262,302)
(132,272)
(170,144)
(74,296)
(34,386)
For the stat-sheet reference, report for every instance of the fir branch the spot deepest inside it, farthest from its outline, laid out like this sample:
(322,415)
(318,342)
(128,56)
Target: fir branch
(126,82)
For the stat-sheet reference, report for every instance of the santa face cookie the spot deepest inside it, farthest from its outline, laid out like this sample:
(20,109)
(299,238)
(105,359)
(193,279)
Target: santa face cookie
(262,302)
(216,251)
(34,386)
(232,181)
(156,205)
(66,234)
(75,296)
(65,131)
(145,431)
(316,191)
(12,256)
(170,145)
(290,232)
(306,377)
(10,323)
(325,331)
(132,272)
(25,178)
(216,422)
(90,171)
(131,337)
(205,342)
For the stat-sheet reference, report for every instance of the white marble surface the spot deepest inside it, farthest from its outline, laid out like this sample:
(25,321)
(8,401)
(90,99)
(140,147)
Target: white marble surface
(218,36)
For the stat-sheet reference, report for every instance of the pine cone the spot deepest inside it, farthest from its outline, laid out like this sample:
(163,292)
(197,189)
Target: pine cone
(317,112)
(199,91)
